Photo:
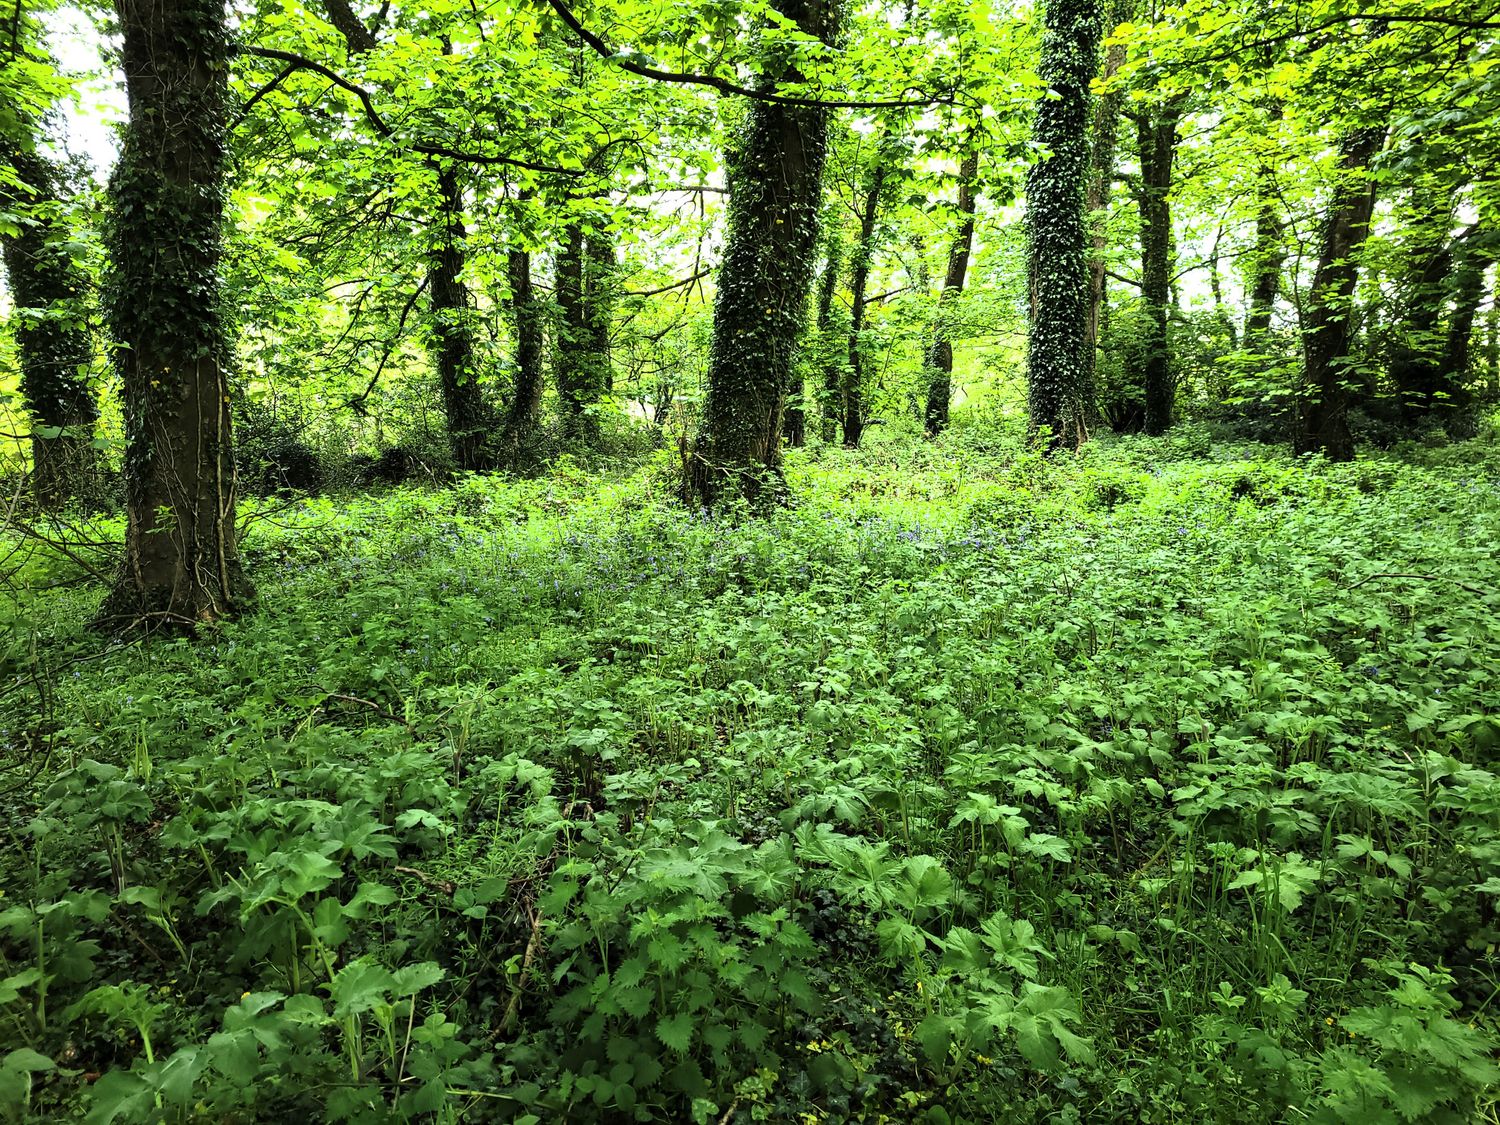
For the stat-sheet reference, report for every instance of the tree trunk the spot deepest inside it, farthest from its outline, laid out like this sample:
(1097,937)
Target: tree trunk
(940,347)
(571,360)
(469,417)
(600,276)
(1057,375)
(1323,423)
(776,178)
(1156,139)
(181,565)
(854,390)
(1270,253)
(830,359)
(52,341)
(1468,292)
(526,401)
(1101,177)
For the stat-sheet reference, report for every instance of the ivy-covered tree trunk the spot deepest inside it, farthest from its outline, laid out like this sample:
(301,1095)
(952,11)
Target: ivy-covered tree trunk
(940,347)
(470,419)
(1323,423)
(1057,371)
(776,180)
(1468,292)
(600,282)
(526,400)
(1269,254)
(1156,140)
(570,359)
(52,338)
(830,359)
(1103,137)
(181,565)
(855,393)
(1416,330)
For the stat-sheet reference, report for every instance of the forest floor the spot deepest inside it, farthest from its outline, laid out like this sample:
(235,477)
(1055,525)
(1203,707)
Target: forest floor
(1152,786)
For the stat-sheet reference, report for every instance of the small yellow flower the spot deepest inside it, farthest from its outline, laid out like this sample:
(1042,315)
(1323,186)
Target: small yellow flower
(1329,1021)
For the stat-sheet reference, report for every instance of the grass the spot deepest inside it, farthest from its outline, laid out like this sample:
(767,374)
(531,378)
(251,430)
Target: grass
(972,787)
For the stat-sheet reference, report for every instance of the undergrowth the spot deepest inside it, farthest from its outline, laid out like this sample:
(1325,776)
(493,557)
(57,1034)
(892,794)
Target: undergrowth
(1157,785)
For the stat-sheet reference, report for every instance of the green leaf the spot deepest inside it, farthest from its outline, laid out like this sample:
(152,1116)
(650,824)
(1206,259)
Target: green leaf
(676,1032)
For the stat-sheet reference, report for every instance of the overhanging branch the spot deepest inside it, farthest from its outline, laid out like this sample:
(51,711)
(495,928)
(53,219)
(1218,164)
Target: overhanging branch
(723,85)
(378,123)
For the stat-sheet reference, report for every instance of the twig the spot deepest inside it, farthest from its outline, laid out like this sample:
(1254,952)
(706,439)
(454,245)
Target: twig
(371,704)
(447,886)
(532,944)
(1426,578)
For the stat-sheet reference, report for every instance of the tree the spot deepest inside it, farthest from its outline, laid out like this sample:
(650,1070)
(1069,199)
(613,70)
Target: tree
(52,335)
(470,417)
(855,393)
(181,566)
(528,314)
(585,300)
(830,356)
(776,180)
(939,357)
(1323,422)
(1156,145)
(1057,239)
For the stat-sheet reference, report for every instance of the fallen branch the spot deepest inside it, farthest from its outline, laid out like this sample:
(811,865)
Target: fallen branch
(1425,578)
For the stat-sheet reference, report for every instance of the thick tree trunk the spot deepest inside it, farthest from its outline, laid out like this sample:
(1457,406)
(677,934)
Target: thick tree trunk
(1057,374)
(52,340)
(181,565)
(776,177)
(1156,140)
(854,390)
(1323,423)
(526,400)
(940,347)
(470,419)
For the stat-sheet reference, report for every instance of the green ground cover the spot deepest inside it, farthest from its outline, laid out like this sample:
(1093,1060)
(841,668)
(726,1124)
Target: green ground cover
(969,788)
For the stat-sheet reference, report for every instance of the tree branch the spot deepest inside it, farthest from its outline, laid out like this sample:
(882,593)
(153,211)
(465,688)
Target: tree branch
(667,288)
(378,123)
(723,85)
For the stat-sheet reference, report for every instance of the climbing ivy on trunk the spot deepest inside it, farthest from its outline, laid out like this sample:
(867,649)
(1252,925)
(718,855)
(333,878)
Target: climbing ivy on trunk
(165,240)
(52,335)
(1323,422)
(1057,371)
(775,175)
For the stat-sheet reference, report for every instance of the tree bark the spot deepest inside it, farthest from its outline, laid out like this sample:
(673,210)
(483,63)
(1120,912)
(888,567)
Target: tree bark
(601,274)
(470,419)
(570,359)
(181,565)
(940,347)
(1105,126)
(52,340)
(776,178)
(1057,374)
(526,399)
(854,390)
(1156,140)
(1270,254)
(830,360)
(1323,423)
